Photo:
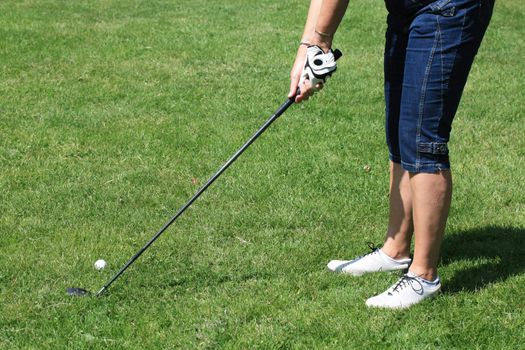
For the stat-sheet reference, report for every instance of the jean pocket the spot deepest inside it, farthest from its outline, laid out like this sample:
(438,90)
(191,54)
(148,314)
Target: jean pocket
(446,8)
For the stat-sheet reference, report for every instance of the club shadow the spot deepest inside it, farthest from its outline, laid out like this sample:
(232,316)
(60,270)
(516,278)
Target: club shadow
(494,253)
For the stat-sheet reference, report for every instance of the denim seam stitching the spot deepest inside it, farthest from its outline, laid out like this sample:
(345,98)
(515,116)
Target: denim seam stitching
(423,93)
(442,74)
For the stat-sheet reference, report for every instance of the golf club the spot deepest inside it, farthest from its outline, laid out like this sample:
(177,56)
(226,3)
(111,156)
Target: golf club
(277,114)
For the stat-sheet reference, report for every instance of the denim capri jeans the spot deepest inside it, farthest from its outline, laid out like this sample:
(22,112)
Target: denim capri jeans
(430,47)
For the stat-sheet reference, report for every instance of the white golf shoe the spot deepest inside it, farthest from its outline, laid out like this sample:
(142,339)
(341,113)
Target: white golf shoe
(407,291)
(376,261)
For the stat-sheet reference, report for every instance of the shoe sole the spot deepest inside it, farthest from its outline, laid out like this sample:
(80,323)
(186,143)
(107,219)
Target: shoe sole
(404,307)
(361,273)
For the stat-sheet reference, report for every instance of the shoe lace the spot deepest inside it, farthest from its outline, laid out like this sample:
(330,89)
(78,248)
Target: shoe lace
(372,246)
(406,281)
(374,249)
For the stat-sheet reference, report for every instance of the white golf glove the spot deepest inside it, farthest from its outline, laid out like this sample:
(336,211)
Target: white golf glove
(319,66)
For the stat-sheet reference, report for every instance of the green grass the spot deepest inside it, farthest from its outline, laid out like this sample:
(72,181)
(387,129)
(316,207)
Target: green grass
(113,113)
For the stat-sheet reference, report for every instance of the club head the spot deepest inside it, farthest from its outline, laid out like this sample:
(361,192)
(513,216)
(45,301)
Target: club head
(78,292)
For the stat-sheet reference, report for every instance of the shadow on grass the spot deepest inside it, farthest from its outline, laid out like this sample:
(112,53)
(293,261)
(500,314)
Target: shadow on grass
(496,253)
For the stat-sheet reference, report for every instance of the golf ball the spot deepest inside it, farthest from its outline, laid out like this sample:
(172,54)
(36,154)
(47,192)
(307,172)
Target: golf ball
(100,264)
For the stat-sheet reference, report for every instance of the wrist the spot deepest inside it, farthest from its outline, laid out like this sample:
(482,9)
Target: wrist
(321,40)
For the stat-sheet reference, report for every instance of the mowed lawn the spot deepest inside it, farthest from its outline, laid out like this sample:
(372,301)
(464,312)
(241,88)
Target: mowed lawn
(113,113)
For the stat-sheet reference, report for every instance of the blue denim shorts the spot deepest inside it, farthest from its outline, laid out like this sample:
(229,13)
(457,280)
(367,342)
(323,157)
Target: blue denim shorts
(430,47)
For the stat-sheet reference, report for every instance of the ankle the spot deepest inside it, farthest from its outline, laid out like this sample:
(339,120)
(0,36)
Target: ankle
(395,252)
(426,274)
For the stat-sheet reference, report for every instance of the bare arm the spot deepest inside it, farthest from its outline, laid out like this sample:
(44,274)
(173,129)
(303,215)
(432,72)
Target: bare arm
(300,58)
(324,17)
(311,20)
(330,15)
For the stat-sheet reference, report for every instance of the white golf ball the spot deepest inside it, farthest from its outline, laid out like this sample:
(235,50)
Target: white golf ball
(100,264)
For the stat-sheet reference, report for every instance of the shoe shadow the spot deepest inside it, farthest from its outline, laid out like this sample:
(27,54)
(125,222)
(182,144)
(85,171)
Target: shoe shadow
(490,254)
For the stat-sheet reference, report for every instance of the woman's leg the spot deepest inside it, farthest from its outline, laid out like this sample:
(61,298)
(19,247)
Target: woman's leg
(400,224)
(394,255)
(431,196)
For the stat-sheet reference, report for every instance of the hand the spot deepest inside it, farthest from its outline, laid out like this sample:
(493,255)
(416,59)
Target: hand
(305,88)
(317,66)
